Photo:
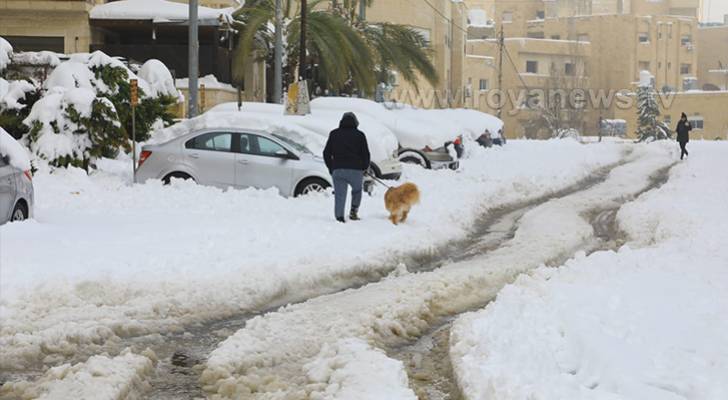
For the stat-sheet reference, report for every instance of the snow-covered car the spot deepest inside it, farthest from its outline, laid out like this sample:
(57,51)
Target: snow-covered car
(237,150)
(383,144)
(420,141)
(16,181)
(476,125)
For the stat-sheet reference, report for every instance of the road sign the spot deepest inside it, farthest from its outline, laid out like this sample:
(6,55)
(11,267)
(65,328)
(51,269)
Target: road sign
(134,92)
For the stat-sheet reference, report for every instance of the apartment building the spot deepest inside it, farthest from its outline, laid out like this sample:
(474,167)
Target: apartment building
(606,42)
(444,24)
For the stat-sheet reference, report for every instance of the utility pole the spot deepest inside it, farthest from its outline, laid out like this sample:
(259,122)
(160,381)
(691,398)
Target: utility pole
(501,50)
(278,55)
(194,60)
(362,11)
(302,56)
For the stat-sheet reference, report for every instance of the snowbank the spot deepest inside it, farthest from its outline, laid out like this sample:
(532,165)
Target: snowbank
(6,53)
(353,370)
(382,142)
(99,378)
(17,154)
(640,323)
(162,257)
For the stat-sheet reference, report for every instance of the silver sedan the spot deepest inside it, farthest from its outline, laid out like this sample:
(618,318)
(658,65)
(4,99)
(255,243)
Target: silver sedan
(16,192)
(236,158)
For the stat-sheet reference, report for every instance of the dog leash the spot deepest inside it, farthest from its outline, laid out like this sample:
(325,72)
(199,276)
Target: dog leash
(379,181)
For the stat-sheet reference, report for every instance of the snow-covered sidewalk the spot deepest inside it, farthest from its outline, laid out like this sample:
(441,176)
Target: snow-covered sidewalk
(646,322)
(105,260)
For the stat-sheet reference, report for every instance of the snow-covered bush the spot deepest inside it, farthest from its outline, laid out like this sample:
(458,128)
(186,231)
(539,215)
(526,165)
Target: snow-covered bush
(16,96)
(86,111)
(6,53)
(648,111)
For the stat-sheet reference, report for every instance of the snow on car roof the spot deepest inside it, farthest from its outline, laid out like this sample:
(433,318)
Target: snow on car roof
(256,122)
(382,142)
(410,131)
(14,151)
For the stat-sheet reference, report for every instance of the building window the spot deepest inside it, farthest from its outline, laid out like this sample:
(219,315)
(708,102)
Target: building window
(669,65)
(659,65)
(686,40)
(570,69)
(508,16)
(644,66)
(696,122)
(540,14)
(535,35)
(37,43)
(644,37)
(532,67)
(555,37)
(483,84)
(583,37)
(685,69)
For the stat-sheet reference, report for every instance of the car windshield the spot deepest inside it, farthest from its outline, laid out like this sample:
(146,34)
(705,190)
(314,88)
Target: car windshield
(295,145)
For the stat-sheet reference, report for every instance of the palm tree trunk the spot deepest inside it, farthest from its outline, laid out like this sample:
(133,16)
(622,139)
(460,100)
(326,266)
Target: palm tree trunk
(302,55)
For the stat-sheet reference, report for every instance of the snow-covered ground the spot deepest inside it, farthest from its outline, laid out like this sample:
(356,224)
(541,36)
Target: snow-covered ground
(645,322)
(265,359)
(105,260)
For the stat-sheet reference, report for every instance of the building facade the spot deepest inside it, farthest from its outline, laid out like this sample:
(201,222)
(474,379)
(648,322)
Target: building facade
(606,44)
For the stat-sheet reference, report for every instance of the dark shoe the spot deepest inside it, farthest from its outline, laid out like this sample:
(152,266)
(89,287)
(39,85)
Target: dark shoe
(354,215)
(342,220)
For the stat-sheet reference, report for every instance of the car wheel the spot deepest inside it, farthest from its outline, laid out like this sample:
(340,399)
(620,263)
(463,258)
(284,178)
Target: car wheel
(311,185)
(176,175)
(20,213)
(414,158)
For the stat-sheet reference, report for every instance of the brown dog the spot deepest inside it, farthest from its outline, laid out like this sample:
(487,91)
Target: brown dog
(399,200)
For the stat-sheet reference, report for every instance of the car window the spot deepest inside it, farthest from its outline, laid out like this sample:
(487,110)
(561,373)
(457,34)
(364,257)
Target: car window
(246,143)
(214,141)
(292,143)
(267,147)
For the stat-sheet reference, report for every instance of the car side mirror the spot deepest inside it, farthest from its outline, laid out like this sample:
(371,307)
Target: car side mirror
(285,155)
(6,160)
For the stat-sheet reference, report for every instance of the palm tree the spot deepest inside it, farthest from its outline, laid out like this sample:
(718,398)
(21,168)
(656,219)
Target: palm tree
(346,52)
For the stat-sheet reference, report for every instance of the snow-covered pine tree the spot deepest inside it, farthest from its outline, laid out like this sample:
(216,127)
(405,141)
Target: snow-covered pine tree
(648,112)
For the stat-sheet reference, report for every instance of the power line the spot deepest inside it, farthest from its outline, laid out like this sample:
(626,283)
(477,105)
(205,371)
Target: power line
(445,17)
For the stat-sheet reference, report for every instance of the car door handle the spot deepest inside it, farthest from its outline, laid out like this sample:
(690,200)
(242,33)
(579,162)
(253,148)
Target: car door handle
(194,155)
(244,162)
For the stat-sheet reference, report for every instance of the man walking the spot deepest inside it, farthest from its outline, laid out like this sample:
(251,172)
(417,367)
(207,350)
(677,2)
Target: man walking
(683,134)
(347,156)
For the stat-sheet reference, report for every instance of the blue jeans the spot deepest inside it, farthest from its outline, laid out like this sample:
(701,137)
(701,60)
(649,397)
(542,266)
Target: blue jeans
(342,179)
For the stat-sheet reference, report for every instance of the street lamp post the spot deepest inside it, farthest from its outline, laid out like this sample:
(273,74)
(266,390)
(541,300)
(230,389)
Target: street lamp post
(194,60)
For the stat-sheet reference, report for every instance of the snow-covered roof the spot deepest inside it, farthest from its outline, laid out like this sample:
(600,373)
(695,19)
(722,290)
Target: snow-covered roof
(156,10)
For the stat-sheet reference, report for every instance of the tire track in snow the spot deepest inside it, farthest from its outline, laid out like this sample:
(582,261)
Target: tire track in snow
(265,359)
(427,359)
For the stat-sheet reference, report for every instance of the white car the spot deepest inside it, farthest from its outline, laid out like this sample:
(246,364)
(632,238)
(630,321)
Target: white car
(420,141)
(383,144)
(237,150)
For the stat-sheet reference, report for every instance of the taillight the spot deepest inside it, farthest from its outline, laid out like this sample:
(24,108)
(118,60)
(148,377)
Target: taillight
(143,157)
(28,175)
(427,149)
(458,142)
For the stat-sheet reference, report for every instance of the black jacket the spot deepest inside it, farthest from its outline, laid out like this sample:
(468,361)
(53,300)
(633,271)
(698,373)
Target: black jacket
(347,146)
(683,131)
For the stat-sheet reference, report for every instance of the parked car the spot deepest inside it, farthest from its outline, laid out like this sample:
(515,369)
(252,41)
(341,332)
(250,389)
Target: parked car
(420,141)
(16,192)
(236,157)
(383,144)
